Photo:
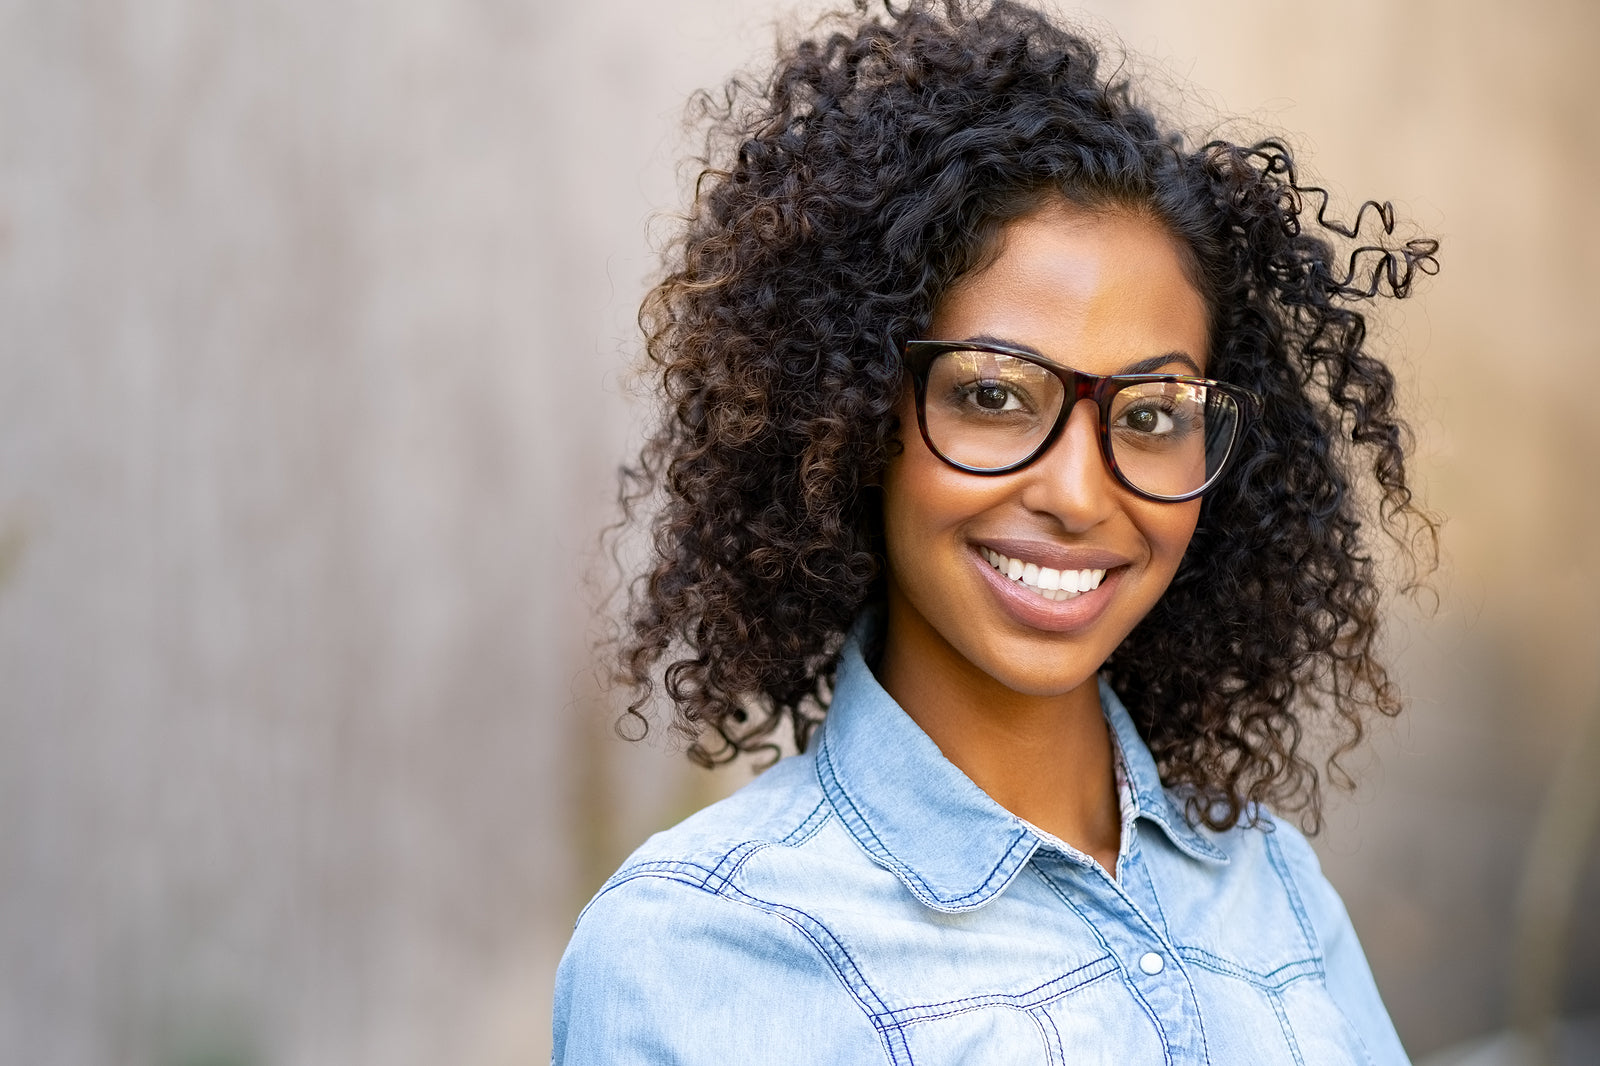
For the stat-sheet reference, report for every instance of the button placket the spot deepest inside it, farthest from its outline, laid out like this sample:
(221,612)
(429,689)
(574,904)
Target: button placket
(1141,945)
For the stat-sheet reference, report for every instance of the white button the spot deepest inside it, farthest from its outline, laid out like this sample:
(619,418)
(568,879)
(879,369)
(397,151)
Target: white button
(1151,963)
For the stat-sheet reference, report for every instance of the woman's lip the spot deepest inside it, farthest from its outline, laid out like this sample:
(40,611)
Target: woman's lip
(1032,610)
(1048,553)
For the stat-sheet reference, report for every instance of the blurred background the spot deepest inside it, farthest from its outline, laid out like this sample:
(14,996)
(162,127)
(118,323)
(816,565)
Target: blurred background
(314,321)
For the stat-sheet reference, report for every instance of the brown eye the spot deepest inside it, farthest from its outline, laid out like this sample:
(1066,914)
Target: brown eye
(1144,421)
(990,397)
(1147,419)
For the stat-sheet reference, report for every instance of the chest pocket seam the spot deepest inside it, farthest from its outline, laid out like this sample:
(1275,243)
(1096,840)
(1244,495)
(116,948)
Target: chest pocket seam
(1276,997)
(1031,1003)
(1271,981)
(1028,1001)
(1283,1025)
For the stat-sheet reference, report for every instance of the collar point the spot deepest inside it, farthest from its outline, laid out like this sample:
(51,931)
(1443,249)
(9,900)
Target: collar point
(961,897)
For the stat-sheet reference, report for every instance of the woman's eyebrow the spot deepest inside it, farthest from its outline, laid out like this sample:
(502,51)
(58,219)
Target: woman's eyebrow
(1156,362)
(1006,342)
(1143,366)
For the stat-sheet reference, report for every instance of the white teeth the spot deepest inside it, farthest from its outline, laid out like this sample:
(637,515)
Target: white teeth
(1049,583)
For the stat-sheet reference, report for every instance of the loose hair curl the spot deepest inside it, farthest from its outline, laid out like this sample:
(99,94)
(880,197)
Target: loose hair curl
(841,198)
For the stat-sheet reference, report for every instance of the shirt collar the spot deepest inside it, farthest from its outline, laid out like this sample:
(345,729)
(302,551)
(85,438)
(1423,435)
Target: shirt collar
(1149,797)
(923,819)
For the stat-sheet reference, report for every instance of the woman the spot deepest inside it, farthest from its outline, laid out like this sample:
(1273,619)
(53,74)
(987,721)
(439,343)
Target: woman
(1014,459)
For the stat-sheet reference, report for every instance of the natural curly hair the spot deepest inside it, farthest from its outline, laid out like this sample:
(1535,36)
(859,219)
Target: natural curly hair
(841,197)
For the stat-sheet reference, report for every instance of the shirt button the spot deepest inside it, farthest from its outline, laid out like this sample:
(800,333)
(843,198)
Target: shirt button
(1151,963)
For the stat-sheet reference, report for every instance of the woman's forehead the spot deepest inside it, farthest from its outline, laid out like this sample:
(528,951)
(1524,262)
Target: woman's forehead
(1094,289)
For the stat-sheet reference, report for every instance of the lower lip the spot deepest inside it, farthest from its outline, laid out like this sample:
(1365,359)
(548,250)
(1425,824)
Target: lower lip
(1056,616)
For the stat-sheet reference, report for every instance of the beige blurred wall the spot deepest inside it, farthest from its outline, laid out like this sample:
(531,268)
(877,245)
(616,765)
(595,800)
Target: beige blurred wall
(312,326)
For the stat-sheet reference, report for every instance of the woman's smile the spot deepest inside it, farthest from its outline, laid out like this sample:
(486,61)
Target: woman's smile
(1029,580)
(1047,581)
(1045,597)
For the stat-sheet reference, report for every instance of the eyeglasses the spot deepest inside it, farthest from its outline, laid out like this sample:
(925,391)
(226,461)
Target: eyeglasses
(989,410)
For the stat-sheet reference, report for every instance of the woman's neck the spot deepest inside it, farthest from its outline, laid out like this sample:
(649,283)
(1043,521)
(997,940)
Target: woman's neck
(1046,759)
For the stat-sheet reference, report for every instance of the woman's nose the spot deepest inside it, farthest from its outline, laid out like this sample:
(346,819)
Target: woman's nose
(1071,480)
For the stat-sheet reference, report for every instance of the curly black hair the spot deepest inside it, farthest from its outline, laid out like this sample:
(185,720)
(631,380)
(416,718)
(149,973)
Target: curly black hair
(840,199)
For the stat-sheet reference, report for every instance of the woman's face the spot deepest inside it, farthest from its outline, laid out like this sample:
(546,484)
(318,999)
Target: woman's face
(1097,291)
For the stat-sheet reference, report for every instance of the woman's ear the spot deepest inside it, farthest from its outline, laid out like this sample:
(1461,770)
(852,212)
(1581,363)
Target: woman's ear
(892,447)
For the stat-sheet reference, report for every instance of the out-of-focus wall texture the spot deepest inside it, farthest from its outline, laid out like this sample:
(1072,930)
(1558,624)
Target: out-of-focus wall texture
(312,325)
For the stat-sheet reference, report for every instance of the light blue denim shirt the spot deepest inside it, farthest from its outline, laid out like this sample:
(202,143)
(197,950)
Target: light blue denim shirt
(865,902)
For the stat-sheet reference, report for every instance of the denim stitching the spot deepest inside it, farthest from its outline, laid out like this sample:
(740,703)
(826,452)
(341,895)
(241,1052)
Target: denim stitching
(1160,808)
(822,939)
(839,959)
(731,863)
(809,826)
(816,931)
(1281,866)
(1004,870)
(1280,863)
(1273,980)
(1166,936)
(684,872)
(1136,855)
(1033,998)
(1185,838)
(681,871)
(1052,1037)
(1288,1031)
(1137,913)
(1133,990)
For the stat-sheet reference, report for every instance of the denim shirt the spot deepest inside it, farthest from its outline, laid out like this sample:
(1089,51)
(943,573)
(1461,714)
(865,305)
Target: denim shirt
(865,902)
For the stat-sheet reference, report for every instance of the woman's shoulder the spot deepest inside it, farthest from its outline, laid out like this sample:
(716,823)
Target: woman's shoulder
(712,923)
(1264,837)
(769,810)
(755,852)
(1260,842)
(1275,848)
(1271,866)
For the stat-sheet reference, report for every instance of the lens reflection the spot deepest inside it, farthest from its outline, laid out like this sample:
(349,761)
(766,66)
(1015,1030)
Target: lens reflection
(989,411)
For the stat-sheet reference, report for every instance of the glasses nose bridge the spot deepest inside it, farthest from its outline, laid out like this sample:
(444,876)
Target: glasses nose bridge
(1071,475)
(1079,386)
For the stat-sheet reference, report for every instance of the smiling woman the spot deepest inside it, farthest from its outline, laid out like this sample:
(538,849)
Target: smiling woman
(976,657)
(1013,457)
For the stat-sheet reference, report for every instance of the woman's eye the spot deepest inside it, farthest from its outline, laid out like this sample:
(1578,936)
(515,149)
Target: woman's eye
(991,396)
(1154,420)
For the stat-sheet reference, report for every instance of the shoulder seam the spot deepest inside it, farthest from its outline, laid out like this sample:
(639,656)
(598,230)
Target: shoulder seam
(834,954)
(727,868)
(1291,886)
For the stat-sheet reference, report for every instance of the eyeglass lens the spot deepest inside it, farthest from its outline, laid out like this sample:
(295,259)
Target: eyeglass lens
(989,411)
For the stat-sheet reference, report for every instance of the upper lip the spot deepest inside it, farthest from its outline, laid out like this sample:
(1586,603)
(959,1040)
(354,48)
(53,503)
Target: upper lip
(1056,556)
